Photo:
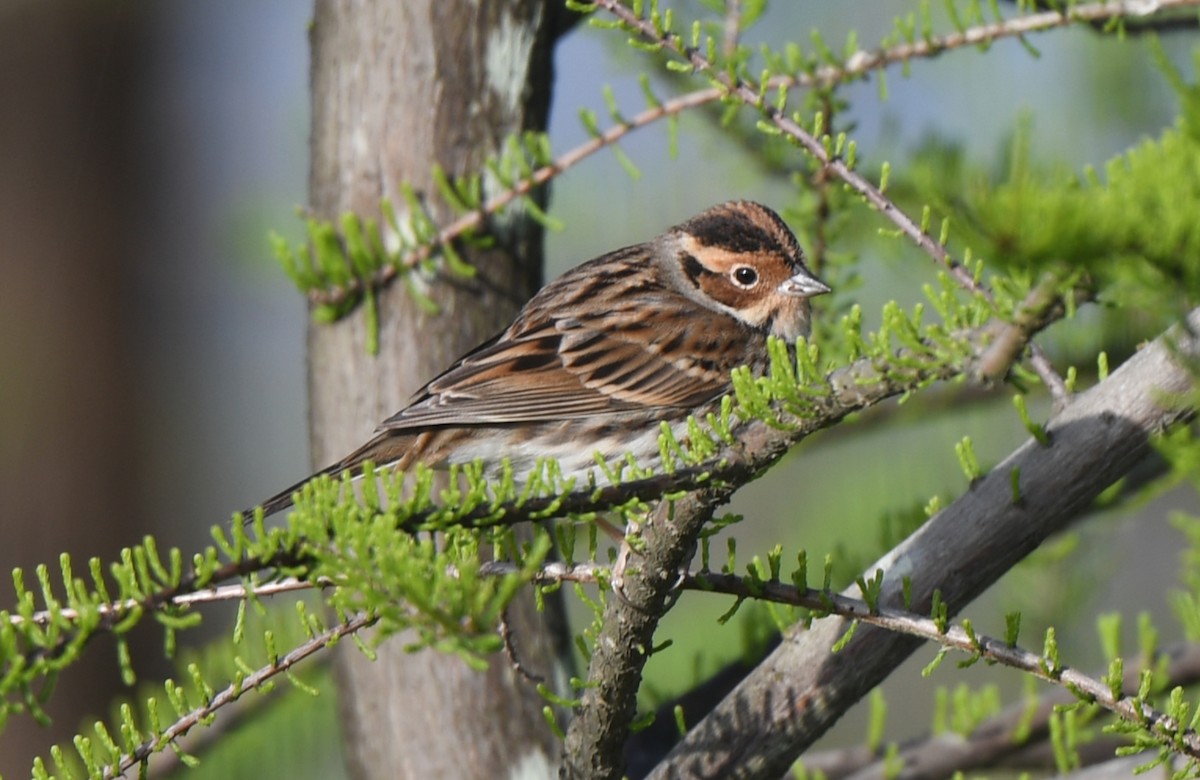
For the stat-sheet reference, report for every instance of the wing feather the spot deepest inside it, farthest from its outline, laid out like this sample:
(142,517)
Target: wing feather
(578,365)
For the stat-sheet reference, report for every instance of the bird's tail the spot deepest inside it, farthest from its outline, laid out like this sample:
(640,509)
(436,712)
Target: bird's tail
(385,450)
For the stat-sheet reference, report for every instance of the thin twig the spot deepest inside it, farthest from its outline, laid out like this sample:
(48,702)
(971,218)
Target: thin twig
(1010,337)
(857,65)
(473,220)
(862,62)
(235,691)
(510,649)
(1017,736)
(981,647)
(205,596)
(753,97)
(733,27)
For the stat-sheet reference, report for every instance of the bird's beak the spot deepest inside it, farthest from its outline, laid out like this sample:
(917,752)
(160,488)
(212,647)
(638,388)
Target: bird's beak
(803,285)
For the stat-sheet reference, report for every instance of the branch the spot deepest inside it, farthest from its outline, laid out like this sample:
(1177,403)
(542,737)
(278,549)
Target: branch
(597,734)
(994,740)
(758,444)
(121,609)
(596,737)
(186,722)
(852,388)
(666,543)
(982,35)
(732,28)
(474,220)
(859,64)
(1009,339)
(1073,685)
(802,689)
(753,97)
(1079,685)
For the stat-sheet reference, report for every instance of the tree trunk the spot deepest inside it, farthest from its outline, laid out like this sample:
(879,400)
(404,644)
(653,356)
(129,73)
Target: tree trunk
(399,86)
(70,216)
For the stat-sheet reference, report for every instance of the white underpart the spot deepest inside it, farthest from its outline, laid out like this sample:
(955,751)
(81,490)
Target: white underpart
(575,458)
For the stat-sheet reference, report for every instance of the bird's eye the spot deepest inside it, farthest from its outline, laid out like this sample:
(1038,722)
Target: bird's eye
(745,276)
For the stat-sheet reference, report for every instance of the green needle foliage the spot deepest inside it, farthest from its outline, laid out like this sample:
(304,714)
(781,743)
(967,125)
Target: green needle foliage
(406,552)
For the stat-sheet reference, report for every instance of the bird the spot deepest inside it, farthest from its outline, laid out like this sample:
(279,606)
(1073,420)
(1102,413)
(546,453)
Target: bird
(600,357)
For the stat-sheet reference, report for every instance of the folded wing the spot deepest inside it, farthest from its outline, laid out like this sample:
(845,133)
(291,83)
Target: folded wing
(570,367)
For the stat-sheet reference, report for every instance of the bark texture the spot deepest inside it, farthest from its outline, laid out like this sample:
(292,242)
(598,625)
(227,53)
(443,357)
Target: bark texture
(399,86)
(70,203)
(802,688)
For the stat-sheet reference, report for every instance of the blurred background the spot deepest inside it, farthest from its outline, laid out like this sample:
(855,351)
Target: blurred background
(152,354)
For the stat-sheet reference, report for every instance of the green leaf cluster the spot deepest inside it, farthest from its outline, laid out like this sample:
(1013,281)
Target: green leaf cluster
(344,263)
